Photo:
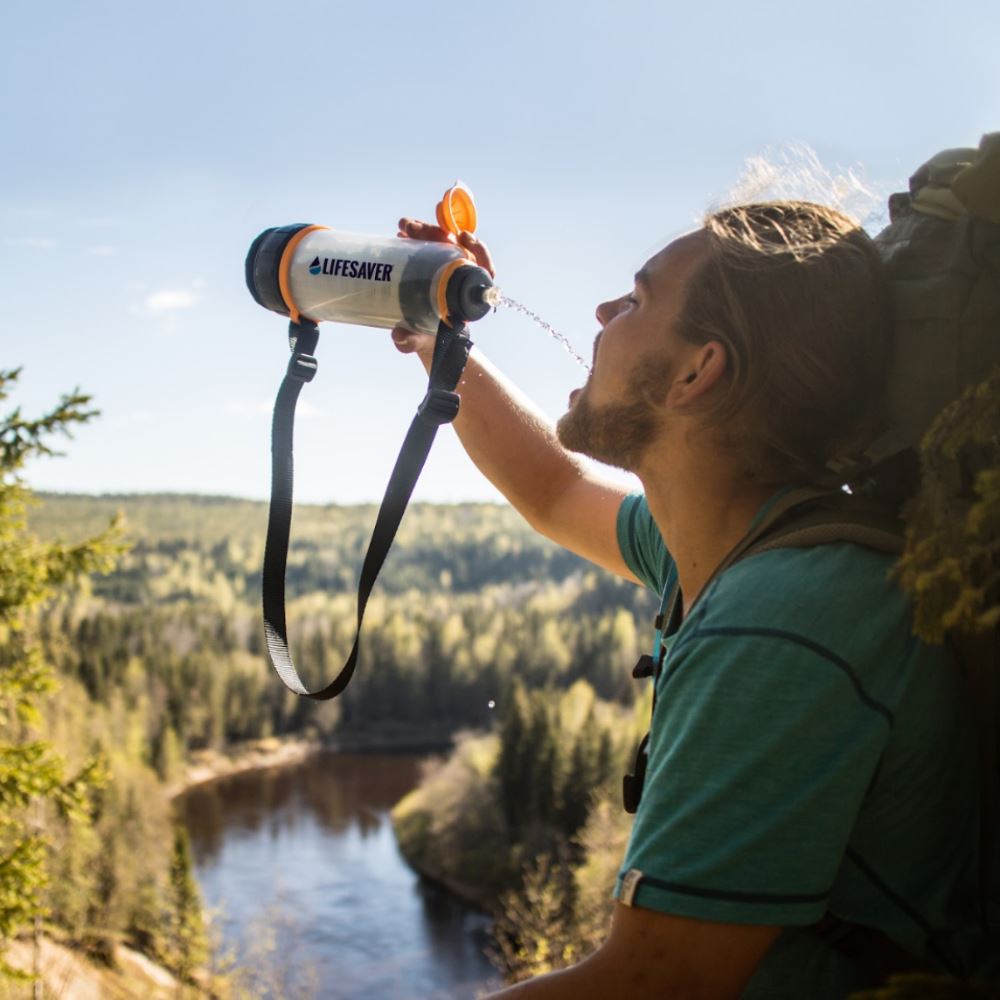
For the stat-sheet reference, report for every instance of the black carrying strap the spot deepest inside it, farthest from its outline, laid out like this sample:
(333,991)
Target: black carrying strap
(439,406)
(668,621)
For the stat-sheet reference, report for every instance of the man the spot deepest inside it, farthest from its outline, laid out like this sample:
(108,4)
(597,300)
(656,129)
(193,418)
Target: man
(807,755)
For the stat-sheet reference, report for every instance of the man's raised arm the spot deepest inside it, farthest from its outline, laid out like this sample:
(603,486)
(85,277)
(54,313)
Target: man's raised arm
(515,446)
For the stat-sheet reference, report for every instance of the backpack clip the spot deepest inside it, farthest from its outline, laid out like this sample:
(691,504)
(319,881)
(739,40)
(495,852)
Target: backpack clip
(439,406)
(303,367)
(632,783)
(645,667)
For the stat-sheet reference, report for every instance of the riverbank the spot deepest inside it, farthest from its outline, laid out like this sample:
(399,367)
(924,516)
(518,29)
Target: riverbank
(284,751)
(251,755)
(69,974)
(423,820)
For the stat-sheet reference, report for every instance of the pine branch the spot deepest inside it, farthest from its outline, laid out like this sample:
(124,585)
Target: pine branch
(22,438)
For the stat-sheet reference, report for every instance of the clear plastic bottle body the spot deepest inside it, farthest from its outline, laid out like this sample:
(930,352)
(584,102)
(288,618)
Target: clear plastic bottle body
(370,280)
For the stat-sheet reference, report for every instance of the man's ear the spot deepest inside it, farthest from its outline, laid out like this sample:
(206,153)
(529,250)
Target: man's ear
(702,369)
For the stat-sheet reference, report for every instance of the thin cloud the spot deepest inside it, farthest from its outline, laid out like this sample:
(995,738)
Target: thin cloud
(30,242)
(169,299)
(102,251)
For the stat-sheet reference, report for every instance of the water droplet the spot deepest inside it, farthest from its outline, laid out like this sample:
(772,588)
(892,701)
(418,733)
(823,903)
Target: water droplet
(505,300)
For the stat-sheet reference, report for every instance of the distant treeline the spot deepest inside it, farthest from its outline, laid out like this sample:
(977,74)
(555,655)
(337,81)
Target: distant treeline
(184,546)
(470,600)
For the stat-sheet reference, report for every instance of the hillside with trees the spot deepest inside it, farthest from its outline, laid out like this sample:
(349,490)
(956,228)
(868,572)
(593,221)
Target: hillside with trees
(470,599)
(132,637)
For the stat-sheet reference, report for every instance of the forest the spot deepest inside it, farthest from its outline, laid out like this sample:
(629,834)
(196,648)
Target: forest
(477,625)
(470,599)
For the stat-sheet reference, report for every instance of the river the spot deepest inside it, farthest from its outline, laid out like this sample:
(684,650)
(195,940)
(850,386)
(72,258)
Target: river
(302,867)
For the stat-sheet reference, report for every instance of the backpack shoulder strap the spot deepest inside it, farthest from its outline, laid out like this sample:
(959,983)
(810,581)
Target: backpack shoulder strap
(807,516)
(831,519)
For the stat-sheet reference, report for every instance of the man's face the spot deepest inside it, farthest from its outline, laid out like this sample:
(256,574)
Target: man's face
(617,414)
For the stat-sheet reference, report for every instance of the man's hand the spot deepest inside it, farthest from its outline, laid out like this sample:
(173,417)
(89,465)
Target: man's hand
(407,341)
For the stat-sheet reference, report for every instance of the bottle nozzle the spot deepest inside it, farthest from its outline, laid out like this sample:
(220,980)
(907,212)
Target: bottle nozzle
(471,293)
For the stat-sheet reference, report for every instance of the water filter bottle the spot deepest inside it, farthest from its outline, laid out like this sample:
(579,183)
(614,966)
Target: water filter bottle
(323,274)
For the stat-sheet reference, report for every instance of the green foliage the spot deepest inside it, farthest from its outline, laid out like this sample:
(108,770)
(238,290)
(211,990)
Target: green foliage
(38,793)
(528,822)
(553,754)
(187,547)
(185,947)
(450,827)
(532,929)
(951,566)
(177,624)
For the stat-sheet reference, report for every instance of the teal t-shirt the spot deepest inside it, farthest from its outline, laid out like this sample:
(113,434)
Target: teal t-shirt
(807,755)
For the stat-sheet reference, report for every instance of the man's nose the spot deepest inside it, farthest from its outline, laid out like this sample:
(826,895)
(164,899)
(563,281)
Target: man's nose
(606,311)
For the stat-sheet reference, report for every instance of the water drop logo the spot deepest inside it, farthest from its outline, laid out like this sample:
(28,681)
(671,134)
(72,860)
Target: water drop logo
(315,267)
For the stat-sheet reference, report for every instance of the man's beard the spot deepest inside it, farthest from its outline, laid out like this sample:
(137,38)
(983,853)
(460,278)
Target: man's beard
(617,434)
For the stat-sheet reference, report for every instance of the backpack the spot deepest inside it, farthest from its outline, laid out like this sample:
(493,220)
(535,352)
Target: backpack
(941,252)
(931,462)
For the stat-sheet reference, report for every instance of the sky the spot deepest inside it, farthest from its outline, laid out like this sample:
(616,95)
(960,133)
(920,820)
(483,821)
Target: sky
(145,145)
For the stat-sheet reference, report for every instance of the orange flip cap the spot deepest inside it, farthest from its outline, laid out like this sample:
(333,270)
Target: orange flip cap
(456,211)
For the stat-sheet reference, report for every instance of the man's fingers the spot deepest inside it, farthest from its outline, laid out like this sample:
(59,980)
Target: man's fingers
(404,340)
(414,229)
(408,341)
(478,250)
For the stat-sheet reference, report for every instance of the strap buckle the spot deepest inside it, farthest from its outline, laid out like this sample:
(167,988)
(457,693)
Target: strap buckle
(439,406)
(632,792)
(632,784)
(645,667)
(303,367)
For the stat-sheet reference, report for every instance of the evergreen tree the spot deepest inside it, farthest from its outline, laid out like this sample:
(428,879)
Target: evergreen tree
(511,764)
(35,788)
(187,947)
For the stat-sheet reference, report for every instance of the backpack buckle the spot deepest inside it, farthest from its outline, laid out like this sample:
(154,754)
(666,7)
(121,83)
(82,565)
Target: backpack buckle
(439,406)
(632,783)
(631,792)
(645,667)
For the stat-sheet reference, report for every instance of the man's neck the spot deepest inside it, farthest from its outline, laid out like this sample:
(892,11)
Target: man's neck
(702,512)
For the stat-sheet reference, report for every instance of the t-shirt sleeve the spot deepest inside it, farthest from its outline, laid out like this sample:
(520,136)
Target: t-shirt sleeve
(641,543)
(763,747)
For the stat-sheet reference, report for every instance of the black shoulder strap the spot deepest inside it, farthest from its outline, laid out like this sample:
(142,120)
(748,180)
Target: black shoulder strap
(439,406)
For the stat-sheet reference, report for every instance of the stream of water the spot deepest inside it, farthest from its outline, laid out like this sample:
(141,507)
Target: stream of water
(506,300)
